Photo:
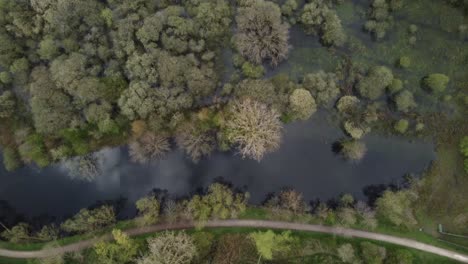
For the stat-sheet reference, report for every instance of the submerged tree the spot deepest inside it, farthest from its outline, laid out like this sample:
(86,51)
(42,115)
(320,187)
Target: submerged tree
(302,104)
(353,150)
(85,168)
(254,127)
(261,34)
(148,147)
(196,142)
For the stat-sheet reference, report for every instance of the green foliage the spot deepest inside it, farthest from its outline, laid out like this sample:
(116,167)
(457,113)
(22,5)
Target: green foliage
(404,101)
(170,248)
(7,104)
(436,82)
(220,202)
(269,244)
(318,17)
(5,77)
(18,233)
(372,254)
(48,233)
(148,208)
(48,49)
(90,220)
(404,62)
(396,207)
(34,149)
(288,8)
(395,86)
(353,150)
(347,104)
(464,146)
(346,253)
(11,159)
(400,256)
(252,71)
(123,250)
(354,130)
(401,126)
(373,85)
(302,104)
(323,86)
(78,139)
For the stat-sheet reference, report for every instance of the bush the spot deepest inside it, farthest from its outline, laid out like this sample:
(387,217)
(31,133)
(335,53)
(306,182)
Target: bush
(395,86)
(323,86)
(11,159)
(353,130)
(252,71)
(353,150)
(404,101)
(436,82)
(401,126)
(260,33)
(404,62)
(373,85)
(302,104)
(347,104)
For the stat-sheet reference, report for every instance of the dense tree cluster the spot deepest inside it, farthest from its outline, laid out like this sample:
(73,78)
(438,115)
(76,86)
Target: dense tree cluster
(319,17)
(380,18)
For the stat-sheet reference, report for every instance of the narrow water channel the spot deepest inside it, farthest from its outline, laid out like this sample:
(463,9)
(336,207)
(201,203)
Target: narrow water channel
(305,162)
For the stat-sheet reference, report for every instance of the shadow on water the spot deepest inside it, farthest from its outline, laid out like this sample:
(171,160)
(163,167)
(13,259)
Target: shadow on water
(304,162)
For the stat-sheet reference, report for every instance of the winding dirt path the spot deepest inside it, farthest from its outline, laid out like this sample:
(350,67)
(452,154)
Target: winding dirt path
(346,232)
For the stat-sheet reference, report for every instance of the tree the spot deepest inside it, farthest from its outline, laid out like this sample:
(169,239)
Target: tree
(404,101)
(170,248)
(262,91)
(396,207)
(302,104)
(373,85)
(213,19)
(48,49)
(90,220)
(7,104)
(353,150)
(346,253)
(347,104)
(123,250)
(11,159)
(372,253)
(323,86)
(48,233)
(254,127)
(148,208)
(219,202)
(354,130)
(149,147)
(346,216)
(196,142)
(260,33)
(269,244)
(436,82)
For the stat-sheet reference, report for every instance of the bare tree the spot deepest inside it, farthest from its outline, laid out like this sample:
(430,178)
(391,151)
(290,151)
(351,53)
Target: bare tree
(148,147)
(261,34)
(254,127)
(170,248)
(195,142)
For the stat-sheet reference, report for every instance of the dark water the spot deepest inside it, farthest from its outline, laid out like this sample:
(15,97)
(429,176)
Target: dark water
(305,162)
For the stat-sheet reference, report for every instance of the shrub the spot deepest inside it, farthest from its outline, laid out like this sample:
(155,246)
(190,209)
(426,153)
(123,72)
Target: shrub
(436,82)
(404,101)
(396,207)
(353,150)
(261,34)
(252,71)
(401,126)
(302,104)
(404,62)
(372,253)
(395,86)
(373,85)
(353,130)
(323,86)
(347,104)
(254,127)
(90,220)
